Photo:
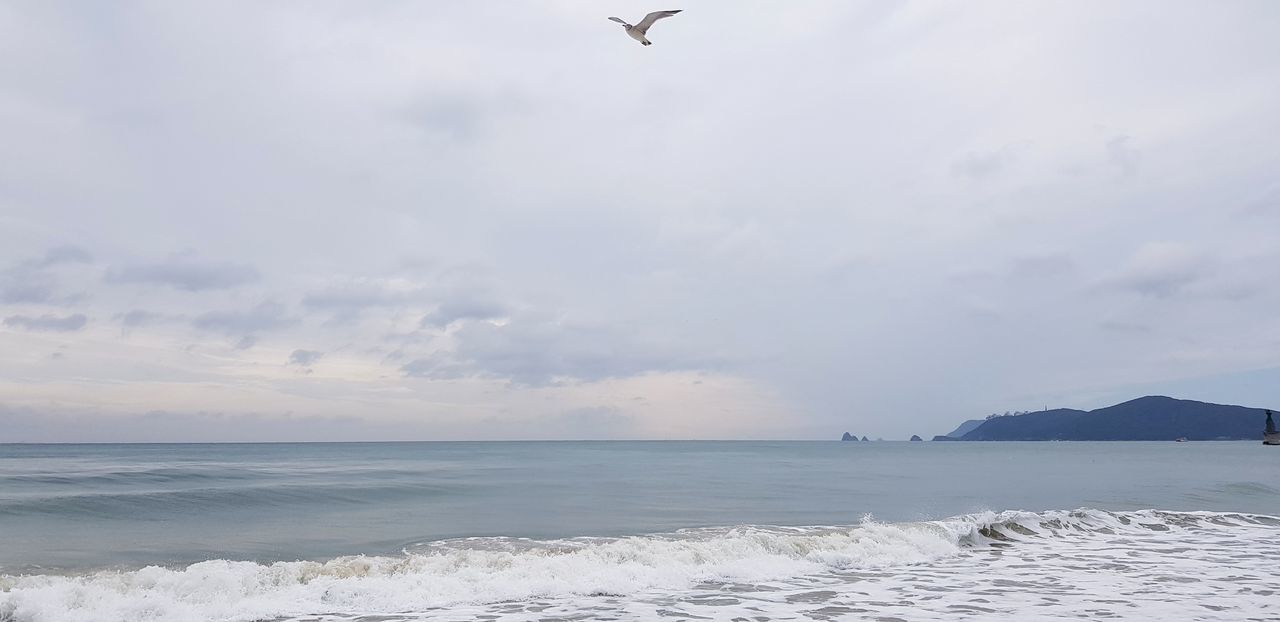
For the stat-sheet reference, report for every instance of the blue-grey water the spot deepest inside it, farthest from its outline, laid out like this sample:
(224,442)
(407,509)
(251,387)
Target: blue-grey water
(78,513)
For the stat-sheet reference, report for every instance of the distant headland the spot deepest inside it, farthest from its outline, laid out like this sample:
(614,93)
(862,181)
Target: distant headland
(1151,418)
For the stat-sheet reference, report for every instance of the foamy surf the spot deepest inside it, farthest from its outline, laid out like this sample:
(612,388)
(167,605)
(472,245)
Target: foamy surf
(1132,565)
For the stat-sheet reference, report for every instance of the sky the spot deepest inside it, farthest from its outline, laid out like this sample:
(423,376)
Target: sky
(385,220)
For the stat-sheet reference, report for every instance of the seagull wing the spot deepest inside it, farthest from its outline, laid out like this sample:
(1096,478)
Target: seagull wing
(649,19)
(619,20)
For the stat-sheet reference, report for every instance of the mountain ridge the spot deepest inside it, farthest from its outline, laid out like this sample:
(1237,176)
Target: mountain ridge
(1148,418)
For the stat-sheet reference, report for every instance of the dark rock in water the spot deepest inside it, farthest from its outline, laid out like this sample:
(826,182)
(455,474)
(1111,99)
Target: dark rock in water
(916,438)
(865,439)
(848,437)
(940,437)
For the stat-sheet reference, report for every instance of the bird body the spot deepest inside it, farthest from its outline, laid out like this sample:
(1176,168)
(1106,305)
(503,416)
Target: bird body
(635,33)
(639,31)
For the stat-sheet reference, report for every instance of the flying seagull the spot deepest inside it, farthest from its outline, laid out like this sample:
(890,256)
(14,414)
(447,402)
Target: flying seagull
(638,31)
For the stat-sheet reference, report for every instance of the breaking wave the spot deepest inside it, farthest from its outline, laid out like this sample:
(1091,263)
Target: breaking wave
(478,571)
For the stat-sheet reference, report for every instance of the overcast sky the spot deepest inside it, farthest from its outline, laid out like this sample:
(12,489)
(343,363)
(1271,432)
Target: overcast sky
(461,219)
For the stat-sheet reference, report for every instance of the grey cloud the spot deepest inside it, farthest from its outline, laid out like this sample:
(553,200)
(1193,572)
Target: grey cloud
(48,322)
(408,338)
(246,342)
(458,310)
(1263,204)
(461,116)
(1161,284)
(538,351)
(304,358)
(1036,267)
(1123,156)
(981,165)
(188,273)
(32,281)
(1162,270)
(353,296)
(420,368)
(138,317)
(438,366)
(15,289)
(454,117)
(65,254)
(267,316)
(1117,326)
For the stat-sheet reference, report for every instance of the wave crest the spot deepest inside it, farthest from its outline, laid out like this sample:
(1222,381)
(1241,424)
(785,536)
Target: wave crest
(487,570)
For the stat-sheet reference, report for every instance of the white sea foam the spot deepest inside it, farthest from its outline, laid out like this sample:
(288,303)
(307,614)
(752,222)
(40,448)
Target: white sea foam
(1010,562)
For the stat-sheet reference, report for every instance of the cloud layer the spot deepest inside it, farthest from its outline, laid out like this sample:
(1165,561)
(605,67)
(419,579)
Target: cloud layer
(48,322)
(186,273)
(428,221)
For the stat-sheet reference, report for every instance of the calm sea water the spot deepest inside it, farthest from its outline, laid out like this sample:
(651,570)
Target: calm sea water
(625,530)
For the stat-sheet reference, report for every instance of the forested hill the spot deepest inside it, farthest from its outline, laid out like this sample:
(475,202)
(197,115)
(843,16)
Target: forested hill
(965,428)
(1152,418)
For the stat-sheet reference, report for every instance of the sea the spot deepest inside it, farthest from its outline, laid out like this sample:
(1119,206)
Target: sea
(574,531)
